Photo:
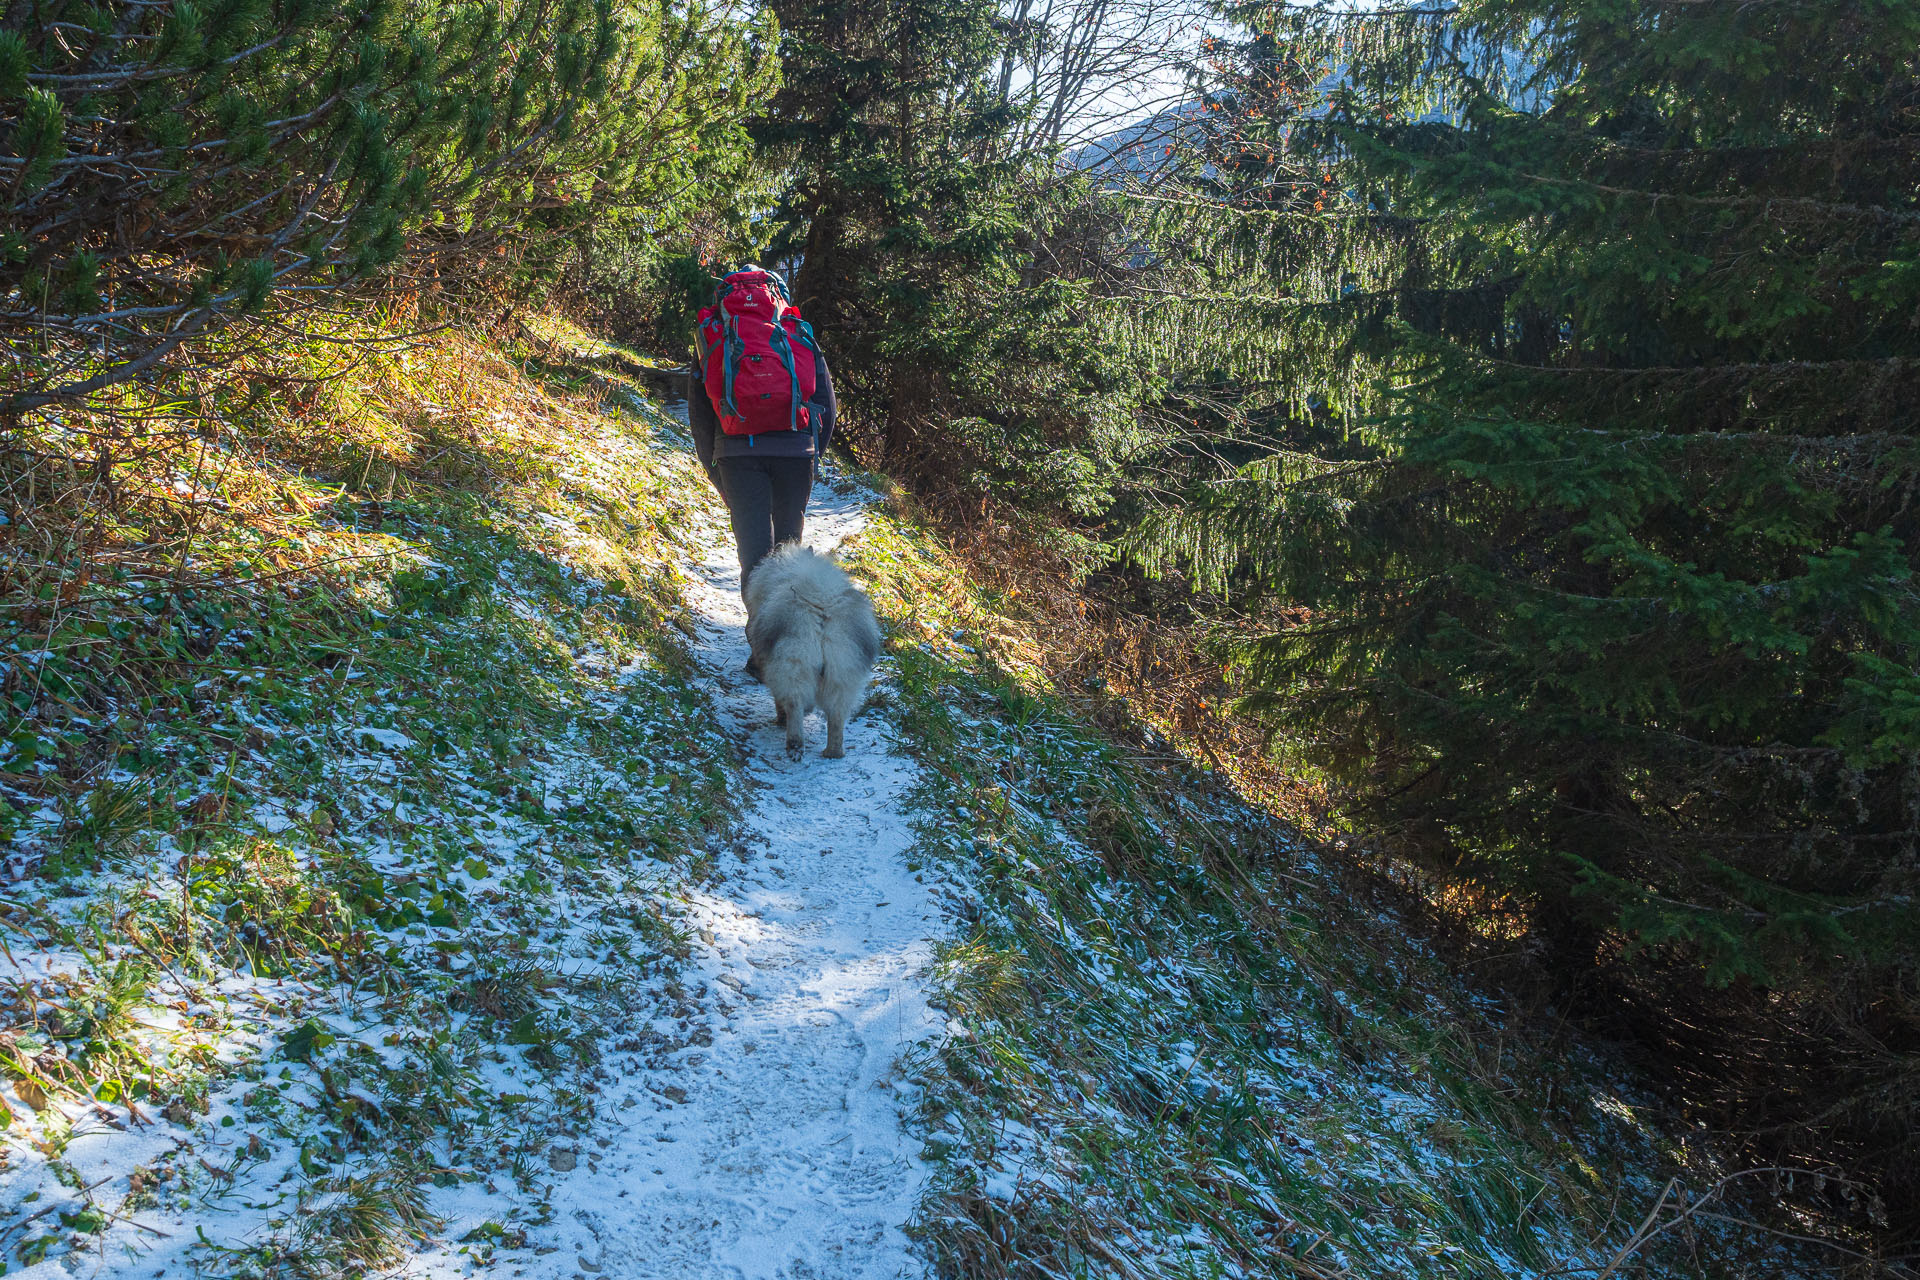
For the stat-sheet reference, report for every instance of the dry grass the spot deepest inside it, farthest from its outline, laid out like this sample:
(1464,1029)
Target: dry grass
(137,527)
(1127,668)
(1137,670)
(212,599)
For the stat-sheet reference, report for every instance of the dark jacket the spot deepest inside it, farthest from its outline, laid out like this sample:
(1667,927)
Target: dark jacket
(712,444)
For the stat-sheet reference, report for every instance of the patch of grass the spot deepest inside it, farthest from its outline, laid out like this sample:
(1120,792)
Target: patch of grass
(1183,1051)
(355,772)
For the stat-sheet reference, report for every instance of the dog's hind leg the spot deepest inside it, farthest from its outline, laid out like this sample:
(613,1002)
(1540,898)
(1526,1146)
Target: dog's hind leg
(839,699)
(794,716)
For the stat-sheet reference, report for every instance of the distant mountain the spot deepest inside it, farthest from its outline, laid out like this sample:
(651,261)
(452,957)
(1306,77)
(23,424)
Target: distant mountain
(1144,150)
(1140,151)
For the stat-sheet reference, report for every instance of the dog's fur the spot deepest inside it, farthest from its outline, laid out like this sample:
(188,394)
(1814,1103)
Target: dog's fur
(814,639)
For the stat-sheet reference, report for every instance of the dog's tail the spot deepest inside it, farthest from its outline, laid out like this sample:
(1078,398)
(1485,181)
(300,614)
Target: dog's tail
(850,642)
(858,631)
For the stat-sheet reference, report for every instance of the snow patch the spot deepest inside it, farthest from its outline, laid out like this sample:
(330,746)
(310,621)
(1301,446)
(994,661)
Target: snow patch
(767,1141)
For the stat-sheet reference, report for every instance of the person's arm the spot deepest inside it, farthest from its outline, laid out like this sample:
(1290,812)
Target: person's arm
(823,396)
(701,423)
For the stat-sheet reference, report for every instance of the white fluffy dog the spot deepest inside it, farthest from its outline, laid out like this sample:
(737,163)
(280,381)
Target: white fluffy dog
(814,640)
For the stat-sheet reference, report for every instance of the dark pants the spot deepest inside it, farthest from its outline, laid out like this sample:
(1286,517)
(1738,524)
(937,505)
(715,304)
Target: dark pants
(767,498)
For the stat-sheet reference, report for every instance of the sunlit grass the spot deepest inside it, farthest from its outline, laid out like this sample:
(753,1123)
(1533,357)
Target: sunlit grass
(351,750)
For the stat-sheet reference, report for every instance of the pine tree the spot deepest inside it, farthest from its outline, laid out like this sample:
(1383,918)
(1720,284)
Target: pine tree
(171,166)
(918,223)
(1577,365)
(879,113)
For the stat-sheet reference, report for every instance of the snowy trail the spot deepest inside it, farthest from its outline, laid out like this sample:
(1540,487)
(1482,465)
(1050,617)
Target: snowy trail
(771,1145)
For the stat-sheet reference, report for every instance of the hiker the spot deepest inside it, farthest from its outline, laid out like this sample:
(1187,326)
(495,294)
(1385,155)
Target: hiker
(760,404)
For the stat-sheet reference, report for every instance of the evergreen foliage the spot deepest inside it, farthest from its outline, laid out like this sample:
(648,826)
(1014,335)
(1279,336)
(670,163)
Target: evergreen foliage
(936,255)
(1538,376)
(169,166)
(1574,361)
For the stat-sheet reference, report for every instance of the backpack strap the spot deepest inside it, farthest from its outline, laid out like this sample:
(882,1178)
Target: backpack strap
(700,347)
(807,339)
(784,346)
(734,348)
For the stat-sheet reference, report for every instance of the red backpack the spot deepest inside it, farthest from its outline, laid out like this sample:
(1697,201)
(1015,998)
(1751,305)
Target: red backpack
(756,355)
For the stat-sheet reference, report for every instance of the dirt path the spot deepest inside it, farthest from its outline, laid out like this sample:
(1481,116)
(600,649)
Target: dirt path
(771,1145)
